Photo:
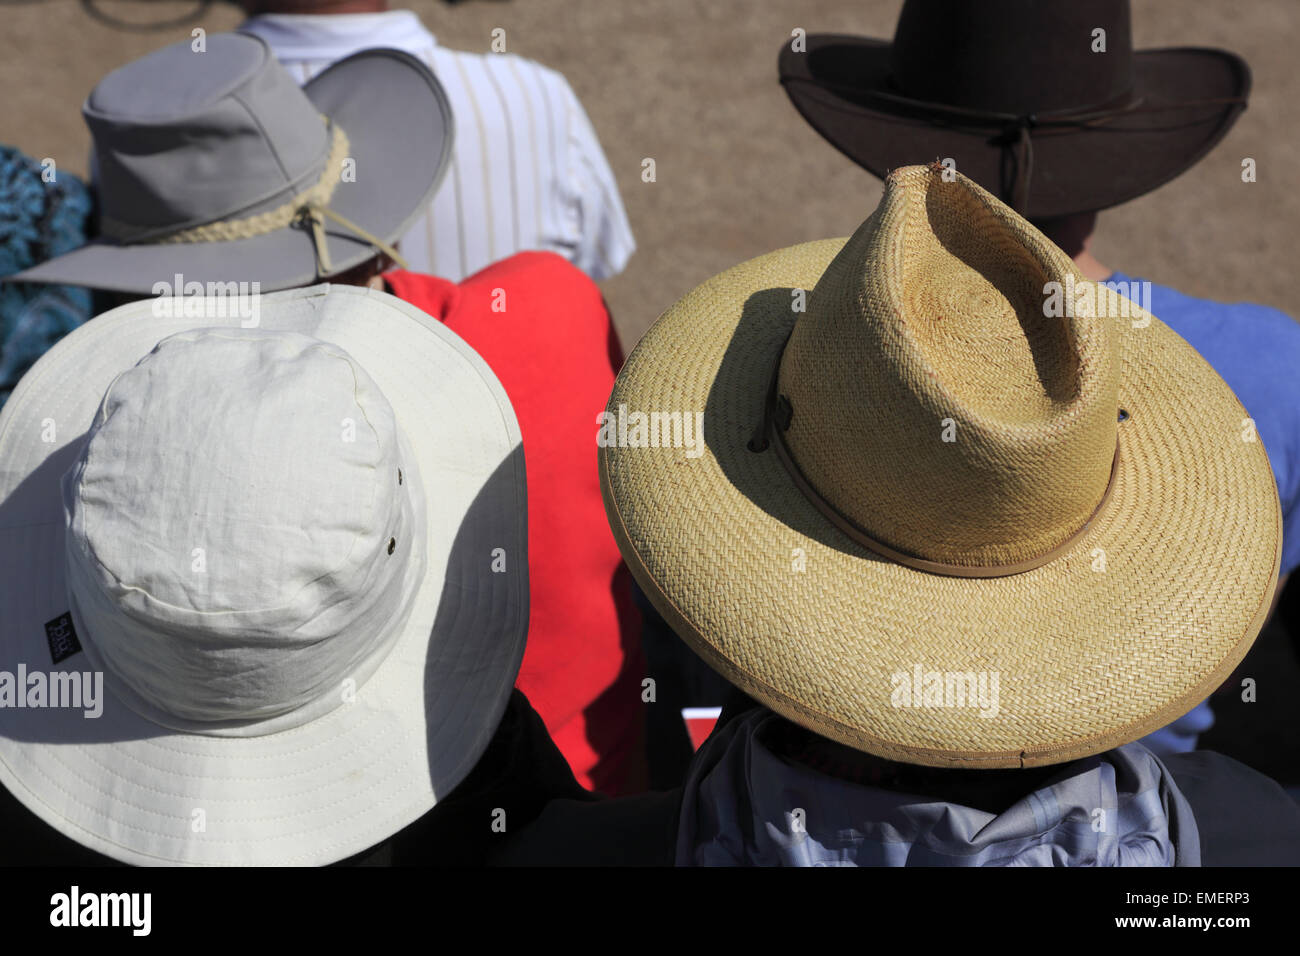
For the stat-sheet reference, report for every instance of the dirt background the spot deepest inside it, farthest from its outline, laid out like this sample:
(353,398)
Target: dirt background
(693,85)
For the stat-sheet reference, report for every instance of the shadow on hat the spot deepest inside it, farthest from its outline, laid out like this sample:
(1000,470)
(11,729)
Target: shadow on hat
(272,580)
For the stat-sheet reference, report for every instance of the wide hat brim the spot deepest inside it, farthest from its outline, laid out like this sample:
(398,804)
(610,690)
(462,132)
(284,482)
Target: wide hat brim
(1074,169)
(1144,615)
(330,788)
(399,127)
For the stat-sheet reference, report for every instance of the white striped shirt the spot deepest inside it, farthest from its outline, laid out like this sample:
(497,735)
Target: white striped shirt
(527,170)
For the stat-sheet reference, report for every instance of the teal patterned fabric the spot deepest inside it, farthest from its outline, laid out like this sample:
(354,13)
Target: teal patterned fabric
(38,220)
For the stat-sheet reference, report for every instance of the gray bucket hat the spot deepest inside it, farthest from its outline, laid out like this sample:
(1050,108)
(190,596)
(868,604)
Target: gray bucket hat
(216,167)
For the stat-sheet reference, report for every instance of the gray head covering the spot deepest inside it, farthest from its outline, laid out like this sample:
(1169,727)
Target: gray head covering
(746,805)
(216,167)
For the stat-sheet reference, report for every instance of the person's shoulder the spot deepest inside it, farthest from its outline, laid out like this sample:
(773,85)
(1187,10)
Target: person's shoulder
(530,72)
(1264,319)
(543,270)
(1259,319)
(1244,817)
(1281,329)
(543,298)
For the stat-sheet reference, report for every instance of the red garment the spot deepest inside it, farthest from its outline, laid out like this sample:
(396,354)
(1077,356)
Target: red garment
(542,327)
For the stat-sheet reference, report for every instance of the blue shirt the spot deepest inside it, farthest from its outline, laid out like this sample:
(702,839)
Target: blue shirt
(1256,350)
(39,220)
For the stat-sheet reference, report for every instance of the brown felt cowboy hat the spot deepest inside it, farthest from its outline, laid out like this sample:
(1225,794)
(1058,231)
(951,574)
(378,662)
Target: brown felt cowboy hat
(216,167)
(922,466)
(1047,105)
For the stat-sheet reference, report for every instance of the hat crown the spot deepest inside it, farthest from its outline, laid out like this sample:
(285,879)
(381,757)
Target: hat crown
(935,401)
(185,137)
(1013,56)
(240,528)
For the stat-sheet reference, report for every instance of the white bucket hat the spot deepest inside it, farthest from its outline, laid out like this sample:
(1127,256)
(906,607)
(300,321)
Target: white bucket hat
(297,555)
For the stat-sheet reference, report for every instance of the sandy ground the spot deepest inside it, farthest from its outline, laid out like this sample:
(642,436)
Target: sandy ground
(693,85)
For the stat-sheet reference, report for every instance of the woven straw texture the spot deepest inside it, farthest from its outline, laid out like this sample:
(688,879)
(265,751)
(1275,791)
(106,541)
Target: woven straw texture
(933,310)
(949,324)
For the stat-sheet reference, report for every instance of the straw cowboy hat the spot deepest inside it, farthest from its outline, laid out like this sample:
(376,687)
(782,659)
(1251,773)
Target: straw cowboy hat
(278,545)
(1027,98)
(923,469)
(215,166)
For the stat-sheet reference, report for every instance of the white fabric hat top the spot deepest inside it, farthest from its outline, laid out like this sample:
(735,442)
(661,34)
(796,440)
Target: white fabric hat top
(265,572)
(294,554)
